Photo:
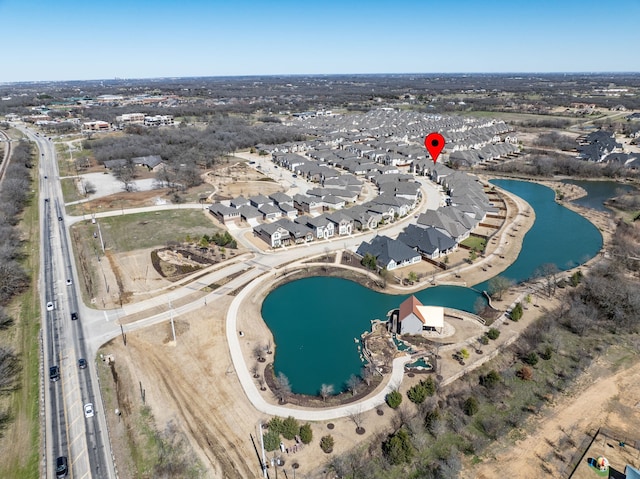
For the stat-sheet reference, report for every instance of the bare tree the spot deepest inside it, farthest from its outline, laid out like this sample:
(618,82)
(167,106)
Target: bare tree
(258,353)
(9,368)
(357,416)
(89,188)
(126,174)
(5,319)
(367,373)
(549,274)
(497,286)
(282,388)
(254,370)
(353,383)
(326,390)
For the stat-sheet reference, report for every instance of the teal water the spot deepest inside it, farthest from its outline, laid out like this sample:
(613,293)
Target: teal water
(314,321)
(559,236)
(598,192)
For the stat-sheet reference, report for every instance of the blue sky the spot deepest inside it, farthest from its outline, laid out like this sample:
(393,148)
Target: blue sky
(81,40)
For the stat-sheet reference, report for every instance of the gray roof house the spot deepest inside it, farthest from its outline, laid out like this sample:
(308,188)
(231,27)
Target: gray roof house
(389,253)
(308,204)
(270,212)
(288,210)
(429,242)
(321,226)
(343,222)
(363,219)
(280,198)
(273,234)
(298,233)
(223,213)
(239,202)
(444,223)
(258,200)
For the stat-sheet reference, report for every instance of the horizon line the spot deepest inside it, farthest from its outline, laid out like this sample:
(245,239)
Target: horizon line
(291,75)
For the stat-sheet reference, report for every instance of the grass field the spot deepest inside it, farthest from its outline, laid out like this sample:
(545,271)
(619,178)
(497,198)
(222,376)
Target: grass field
(69,190)
(146,230)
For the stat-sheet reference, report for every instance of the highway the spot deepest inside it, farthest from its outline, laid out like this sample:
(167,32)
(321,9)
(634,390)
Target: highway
(67,432)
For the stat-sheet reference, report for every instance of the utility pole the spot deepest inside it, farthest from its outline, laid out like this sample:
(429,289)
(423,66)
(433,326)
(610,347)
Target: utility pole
(264,459)
(100,234)
(173,328)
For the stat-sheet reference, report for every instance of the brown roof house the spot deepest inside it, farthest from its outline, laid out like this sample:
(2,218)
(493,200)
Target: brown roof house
(413,317)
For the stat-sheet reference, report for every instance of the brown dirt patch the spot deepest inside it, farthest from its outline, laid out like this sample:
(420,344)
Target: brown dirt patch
(237,179)
(132,199)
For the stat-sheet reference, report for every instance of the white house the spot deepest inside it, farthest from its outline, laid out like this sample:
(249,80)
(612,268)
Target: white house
(413,317)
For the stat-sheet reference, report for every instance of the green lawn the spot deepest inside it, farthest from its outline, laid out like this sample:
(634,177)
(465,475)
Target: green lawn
(146,230)
(475,242)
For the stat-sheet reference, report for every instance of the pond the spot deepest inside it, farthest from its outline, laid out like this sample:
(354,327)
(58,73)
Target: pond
(317,322)
(598,192)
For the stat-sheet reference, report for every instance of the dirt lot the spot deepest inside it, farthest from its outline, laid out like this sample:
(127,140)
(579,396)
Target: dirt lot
(237,179)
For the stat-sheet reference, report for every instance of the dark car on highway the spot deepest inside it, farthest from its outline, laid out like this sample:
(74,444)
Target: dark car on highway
(54,373)
(61,467)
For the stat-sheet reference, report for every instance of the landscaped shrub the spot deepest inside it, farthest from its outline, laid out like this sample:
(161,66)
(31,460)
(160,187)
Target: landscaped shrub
(224,239)
(394,398)
(398,448)
(276,424)
(490,379)
(470,406)
(271,440)
(516,312)
(306,434)
(483,340)
(327,443)
(531,359)
(418,393)
(464,353)
(369,261)
(290,428)
(493,333)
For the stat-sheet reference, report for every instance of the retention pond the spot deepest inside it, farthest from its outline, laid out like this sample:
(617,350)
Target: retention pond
(317,322)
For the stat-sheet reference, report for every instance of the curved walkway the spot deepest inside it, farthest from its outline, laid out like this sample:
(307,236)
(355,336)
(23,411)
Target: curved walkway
(254,395)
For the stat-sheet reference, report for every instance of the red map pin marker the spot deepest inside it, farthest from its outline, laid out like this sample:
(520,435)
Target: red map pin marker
(434,143)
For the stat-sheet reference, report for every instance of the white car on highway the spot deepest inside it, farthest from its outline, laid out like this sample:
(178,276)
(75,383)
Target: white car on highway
(88,410)
(49,306)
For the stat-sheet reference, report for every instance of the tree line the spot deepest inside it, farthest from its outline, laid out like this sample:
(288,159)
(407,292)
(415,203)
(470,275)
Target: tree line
(15,192)
(549,164)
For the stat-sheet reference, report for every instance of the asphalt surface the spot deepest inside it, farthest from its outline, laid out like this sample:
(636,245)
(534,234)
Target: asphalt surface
(84,441)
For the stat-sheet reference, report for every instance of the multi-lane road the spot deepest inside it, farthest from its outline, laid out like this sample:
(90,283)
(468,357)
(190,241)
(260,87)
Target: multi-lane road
(83,440)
